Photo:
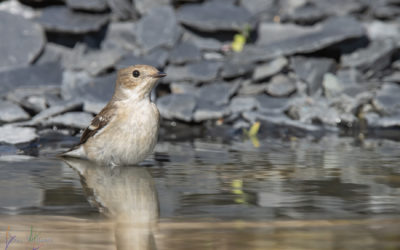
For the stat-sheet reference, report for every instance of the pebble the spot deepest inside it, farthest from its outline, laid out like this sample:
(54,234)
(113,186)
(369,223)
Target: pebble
(269,69)
(281,86)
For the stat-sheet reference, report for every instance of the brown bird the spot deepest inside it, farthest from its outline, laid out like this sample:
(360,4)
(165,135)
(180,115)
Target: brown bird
(126,130)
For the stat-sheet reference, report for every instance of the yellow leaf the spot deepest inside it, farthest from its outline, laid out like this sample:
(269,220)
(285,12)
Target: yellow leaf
(254,129)
(238,43)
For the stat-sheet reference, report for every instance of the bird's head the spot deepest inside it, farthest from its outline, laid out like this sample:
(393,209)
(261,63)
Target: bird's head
(137,80)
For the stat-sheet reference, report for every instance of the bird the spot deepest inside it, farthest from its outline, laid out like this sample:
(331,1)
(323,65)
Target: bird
(125,131)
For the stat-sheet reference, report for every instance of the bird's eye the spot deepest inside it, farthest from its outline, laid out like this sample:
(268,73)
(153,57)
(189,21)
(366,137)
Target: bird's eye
(136,73)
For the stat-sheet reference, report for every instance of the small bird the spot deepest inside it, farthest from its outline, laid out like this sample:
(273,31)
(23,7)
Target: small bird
(126,130)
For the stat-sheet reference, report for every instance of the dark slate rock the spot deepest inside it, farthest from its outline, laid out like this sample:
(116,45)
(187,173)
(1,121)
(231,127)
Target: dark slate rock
(177,106)
(232,69)
(11,112)
(88,5)
(184,52)
(122,9)
(393,77)
(269,69)
(306,14)
(60,19)
(214,16)
(281,86)
(312,70)
(386,11)
(121,35)
(387,99)
(332,86)
(375,121)
(267,104)
(56,110)
(240,104)
(217,93)
(209,111)
(81,86)
(159,28)
(144,6)
(378,30)
(203,71)
(94,62)
(53,53)
(257,7)
(22,41)
(78,120)
(341,7)
(252,88)
(203,43)
(17,135)
(49,74)
(34,98)
(350,76)
(377,56)
(157,58)
(307,40)
(270,33)
(7,149)
(182,88)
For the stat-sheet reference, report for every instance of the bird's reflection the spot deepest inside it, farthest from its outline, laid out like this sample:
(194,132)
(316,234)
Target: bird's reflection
(127,195)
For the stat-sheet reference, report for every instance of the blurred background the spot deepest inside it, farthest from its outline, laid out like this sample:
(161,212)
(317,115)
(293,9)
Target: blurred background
(280,123)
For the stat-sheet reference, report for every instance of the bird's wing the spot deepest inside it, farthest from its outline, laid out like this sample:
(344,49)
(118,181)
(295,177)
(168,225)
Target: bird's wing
(99,122)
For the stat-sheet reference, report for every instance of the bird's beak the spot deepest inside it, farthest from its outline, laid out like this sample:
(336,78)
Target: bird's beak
(160,74)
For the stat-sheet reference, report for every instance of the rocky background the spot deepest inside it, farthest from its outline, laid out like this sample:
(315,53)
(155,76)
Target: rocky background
(306,67)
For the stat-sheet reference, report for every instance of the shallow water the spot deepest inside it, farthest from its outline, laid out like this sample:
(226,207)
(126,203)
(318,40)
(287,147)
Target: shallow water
(329,193)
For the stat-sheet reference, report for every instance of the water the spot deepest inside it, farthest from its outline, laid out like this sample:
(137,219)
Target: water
(329,193)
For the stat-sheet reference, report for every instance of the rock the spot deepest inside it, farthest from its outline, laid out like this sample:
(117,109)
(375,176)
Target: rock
(182,88)
(312,70)
(341,7)
(386,11)
(271,33)
(375,121)
(94,62)
(184,52)
(35,103)
(209,111)
(269,69)
(16,8)
(17,135)
(281,86)
(34,98)
(93,107)
(159,28)
(240,104)
(305,40)
(231,69)
(48,74)
(121,35)
(203,71)
(257,7)
(21,43)
(377,56)
(387,99)
(157,58)
(60,19)
(252,88)
(122,9)
(378,30)
(6,149)
(306,15)
(331,85)
(350,76)
(203,43)
(56,110)
(208,16)
(177,106)
(11,112)
(267,104)
(78,120)
(88,5)
(394,77)
(217,93)
(144,6)
(79,85)
(53,53)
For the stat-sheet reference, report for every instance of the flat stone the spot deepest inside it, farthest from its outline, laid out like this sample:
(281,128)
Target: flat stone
(375,121)
(387,99)
(81,86)
(182,88)
(177,106)
(267,104)
(48,74)
(240,104)
(218,93)
(203,71)
(304,40)
(377,56)
(53,53)
(184,52)
(94,62)
(332,85)
(122,9)
(306,14)
(7,149)
(208,16)
(386,11)
(88,5)
(378,30)
(252,88)
(312,70)
(271,33)
(22,41)
(202,42)
(17,135)
(121,35)
(11,112)
(144,6)
(208,111)
(281,86)
(56,110)
(269,69)
(34,98)
(78,120)
(341,7)
(232,69)
(16,8)
(159,28)
(257,7)
(393,77)
(60,19)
